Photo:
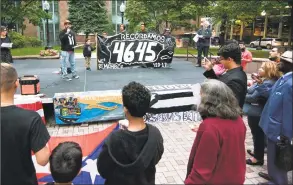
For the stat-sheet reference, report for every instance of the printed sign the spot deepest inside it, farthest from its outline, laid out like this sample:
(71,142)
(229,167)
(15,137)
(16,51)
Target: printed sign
(187,116)
(128,50)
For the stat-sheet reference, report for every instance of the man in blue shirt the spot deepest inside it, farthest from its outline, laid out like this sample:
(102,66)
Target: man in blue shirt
(276,118)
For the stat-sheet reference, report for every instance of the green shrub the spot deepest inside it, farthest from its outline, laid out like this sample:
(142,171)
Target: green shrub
(17,39)
(20,41)
(34,42)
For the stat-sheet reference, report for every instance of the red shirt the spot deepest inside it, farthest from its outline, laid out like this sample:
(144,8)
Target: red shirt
(218,153)
(246,57)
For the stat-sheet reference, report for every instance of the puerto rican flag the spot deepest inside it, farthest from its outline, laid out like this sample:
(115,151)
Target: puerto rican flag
(91,145)
(30,103)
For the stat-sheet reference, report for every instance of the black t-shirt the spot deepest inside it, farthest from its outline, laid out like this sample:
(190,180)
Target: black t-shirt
(22,131)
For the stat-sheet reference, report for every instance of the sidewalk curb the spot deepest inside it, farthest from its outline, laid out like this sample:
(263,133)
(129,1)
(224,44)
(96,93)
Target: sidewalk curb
(35,57)
(175,56)
(191,58)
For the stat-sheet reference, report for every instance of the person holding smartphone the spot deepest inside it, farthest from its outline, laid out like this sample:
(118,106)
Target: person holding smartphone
(234,76)
(255,101)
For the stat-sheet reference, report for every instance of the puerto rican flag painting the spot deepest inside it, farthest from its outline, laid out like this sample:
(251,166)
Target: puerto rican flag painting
(91,145)
(31,103)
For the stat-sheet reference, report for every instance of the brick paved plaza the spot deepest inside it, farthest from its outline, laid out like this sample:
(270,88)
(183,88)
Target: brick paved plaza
(178,140)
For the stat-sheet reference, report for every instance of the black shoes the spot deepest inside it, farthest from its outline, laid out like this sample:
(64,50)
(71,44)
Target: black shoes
(88,69)
(265,176)
(249,162)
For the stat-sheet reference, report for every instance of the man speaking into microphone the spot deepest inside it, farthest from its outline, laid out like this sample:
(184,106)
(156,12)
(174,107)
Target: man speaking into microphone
(67,39)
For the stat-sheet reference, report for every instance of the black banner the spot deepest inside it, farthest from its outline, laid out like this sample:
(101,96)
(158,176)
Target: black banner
(138,49)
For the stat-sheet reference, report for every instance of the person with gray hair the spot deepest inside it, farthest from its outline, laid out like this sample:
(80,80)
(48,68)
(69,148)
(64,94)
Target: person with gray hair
(218,150)
(203,43)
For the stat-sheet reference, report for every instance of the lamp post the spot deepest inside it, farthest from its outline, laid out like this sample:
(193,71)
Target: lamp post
(46,6)
(122,10)
(263,13)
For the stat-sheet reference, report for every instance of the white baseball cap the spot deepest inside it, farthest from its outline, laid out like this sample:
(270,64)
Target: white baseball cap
(287,56)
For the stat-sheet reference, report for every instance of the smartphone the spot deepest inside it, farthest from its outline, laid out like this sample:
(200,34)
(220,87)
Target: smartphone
(254,76)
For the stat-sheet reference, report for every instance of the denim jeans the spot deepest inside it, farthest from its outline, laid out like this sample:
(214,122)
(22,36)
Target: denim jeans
(64,57)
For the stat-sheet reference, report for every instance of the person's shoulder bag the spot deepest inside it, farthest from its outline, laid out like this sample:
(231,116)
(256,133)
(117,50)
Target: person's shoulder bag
(284,153)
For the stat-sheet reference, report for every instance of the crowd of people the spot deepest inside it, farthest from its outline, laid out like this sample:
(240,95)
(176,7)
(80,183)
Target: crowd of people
(130,155)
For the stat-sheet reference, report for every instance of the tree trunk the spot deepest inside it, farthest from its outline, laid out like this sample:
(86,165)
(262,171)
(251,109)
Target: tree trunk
(265,26)
(252,31)
(241,30)
(226,31)
(231,32)
(290,31)
(280,30)
(290,37)
(197,20)
(86,35)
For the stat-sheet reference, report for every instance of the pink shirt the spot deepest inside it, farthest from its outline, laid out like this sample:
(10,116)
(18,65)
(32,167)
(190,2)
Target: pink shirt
(219,69)
(246,57)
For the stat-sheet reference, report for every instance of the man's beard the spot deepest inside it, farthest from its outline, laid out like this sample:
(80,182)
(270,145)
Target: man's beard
(282,68)
(273,58)
(242,49)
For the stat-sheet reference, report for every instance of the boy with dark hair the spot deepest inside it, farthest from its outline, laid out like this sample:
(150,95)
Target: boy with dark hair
(65,162)
(234,77)
(129,156)
(87,53)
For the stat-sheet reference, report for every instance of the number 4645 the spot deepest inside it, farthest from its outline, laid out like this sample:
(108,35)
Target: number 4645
(144,49)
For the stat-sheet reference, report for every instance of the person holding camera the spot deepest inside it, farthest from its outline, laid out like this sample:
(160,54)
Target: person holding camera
(276,123)
(68,43)
(255,101)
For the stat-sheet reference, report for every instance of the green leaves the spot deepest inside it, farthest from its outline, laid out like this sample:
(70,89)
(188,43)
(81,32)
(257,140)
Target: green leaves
(17,11)
(156,13)
(89,16)
(179,12)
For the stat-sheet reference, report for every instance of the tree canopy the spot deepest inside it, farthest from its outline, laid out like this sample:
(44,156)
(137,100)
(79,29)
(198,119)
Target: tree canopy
(180,12)
(155,13)
(88,17)
(15,12)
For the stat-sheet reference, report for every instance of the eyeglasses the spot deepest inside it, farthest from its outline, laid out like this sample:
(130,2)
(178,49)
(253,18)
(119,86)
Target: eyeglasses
(273,50)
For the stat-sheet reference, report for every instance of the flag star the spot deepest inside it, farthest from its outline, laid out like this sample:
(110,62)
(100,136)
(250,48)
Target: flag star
(91,167)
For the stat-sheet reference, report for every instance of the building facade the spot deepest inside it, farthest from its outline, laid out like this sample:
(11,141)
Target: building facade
(277,25)
(59,11)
